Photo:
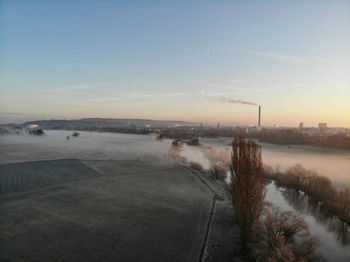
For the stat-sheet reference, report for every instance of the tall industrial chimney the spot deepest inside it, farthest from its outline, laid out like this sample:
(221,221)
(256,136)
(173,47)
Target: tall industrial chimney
(259,117)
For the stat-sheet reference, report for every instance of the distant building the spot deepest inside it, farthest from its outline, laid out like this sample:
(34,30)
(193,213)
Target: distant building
(301,125)
(148,128)
(322,126)
(32,126)
(218,125)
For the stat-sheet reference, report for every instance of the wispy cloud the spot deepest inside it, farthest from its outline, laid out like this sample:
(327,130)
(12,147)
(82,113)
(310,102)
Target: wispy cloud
(70,87)
(15,114)
(343,62)
(105,99)
(283,56)
(231,87)
(279,56)
(155,95)
(75,87)
(216,85)
(298,59)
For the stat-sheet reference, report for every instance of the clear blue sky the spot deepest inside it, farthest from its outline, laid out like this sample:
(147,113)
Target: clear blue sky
(177,60)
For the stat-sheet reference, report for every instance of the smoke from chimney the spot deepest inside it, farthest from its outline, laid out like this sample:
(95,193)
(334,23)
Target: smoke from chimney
(223,99)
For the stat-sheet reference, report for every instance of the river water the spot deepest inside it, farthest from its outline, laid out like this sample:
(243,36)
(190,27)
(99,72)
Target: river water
(334,236)
(329,162)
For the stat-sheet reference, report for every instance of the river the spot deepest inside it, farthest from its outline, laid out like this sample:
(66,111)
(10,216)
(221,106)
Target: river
(333,236)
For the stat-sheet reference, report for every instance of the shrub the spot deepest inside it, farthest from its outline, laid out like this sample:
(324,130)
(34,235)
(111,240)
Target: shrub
(196,166)
(317,187)
(285,236)
(219,171)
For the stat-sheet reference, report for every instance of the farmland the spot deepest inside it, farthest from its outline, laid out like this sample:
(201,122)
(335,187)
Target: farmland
(123,199)
(145,214)
(20,177)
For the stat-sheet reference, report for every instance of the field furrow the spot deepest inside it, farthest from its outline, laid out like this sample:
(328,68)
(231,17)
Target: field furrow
(20,177)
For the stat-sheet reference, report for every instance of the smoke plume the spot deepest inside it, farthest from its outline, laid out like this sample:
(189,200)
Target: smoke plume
(223,99)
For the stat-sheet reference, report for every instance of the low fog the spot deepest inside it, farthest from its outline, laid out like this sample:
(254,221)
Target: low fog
(332,163)
(86,146)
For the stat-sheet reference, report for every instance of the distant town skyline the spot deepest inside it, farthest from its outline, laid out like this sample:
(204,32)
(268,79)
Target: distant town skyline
(196,61)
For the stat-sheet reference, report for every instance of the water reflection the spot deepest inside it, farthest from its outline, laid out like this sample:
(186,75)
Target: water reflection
(333,243)
(307,206)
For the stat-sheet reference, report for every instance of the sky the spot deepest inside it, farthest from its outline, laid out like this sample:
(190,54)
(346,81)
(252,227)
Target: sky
(177,60)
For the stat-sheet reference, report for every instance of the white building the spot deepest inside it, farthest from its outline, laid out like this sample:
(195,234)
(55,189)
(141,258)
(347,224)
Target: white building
(33,126)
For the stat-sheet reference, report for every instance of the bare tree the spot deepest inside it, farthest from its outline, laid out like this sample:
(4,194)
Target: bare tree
(285,236)
(248,187)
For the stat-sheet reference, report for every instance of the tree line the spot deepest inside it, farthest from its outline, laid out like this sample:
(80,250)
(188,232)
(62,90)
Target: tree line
(267,233)
(318,188)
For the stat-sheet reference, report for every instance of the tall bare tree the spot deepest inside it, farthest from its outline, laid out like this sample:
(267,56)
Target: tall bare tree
(248,187)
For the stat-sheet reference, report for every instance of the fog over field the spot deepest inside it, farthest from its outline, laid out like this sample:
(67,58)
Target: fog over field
(333,163)
(88,145)
(110,197)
